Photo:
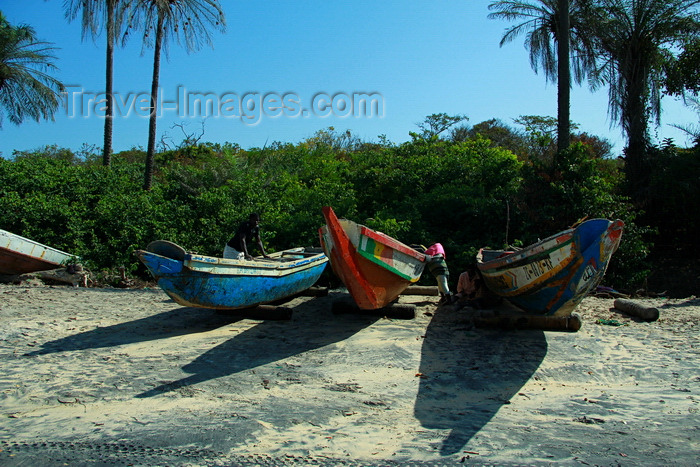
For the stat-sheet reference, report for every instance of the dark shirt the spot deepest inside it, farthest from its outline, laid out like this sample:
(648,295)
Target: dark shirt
(245,230)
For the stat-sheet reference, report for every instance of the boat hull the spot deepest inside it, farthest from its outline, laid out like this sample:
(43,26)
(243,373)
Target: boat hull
(19,255)
(374,267)
(226,284)
(552,276)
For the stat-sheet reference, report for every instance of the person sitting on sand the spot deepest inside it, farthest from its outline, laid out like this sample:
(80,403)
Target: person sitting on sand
(471,290)
(237,247)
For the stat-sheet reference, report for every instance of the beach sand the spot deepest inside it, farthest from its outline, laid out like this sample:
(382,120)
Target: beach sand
(128,377)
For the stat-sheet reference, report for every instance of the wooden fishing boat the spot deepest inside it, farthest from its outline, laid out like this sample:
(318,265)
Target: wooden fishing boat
(19,255)
(552,276)
(230,284)
(374,267)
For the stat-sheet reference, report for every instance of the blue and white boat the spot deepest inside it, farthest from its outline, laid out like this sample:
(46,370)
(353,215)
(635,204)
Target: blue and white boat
(229,284)
(552,276)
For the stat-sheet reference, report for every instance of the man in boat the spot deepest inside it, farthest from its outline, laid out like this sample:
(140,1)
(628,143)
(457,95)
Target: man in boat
(237,247)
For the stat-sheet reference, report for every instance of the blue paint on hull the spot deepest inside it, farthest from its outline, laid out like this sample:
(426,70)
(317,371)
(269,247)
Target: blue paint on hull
(229,291)
(593,244)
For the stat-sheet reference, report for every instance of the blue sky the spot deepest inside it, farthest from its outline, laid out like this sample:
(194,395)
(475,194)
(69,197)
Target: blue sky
(412,58)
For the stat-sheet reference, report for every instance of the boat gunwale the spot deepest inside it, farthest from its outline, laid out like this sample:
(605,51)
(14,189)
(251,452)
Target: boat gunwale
(240,268)
(256,263)
(539,282)
(6,246)
(391,269)
(390,242)
(523,257)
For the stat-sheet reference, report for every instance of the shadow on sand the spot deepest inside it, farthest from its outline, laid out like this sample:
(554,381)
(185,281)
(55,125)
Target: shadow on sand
(172,323)
(468,375)
(267,342)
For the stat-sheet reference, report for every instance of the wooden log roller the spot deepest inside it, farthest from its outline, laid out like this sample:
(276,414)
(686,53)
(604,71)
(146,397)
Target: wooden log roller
(314,292)
(421,290)
(647,313)
(571,323)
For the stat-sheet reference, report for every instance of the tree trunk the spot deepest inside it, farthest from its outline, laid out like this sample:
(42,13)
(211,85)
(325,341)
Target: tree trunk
(150,153)
(635,153)
(109,82)
(634,119)
(563,79)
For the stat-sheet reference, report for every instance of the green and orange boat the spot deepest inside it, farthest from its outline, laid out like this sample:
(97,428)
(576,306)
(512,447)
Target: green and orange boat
(374,267)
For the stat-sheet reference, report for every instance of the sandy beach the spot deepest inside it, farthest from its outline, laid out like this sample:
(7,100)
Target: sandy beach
(128,377)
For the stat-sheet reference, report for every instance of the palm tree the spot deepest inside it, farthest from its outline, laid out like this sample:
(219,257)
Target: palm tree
(26,90)
(94,14)
(188,22)
(552,34)
(564,76)
(635,38)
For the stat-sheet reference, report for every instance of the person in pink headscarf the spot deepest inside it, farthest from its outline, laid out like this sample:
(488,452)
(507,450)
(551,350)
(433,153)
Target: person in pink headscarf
(437,265)
(435,249)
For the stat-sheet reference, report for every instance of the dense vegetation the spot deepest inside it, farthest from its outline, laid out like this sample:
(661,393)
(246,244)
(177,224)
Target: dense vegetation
(464,191)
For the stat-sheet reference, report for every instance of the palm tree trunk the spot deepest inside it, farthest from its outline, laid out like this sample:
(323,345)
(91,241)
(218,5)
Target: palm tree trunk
(563,79)
(150,153)
(634,73)
(109,82)
(635,123)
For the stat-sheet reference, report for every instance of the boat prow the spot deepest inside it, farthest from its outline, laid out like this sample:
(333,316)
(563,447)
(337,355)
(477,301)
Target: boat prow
(20,255)
(374,267)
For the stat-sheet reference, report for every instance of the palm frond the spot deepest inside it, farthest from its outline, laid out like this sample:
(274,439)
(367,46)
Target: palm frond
(539,26)
(27,89)
(190,23)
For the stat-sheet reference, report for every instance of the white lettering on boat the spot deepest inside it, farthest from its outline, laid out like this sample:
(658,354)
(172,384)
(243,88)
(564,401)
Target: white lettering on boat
(537,268)
(588,273)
